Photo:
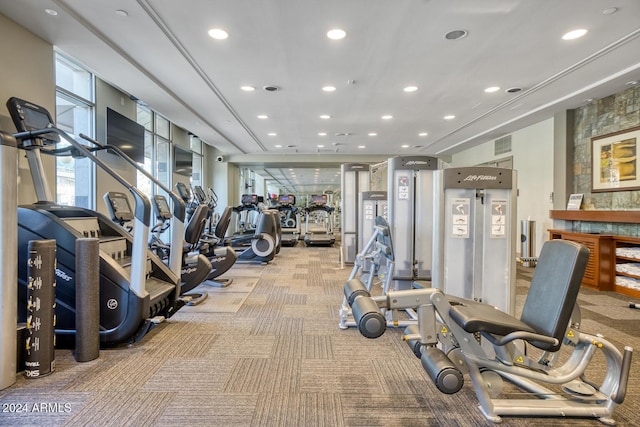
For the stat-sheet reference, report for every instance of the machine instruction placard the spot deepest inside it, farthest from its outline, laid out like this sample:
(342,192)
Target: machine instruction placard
(403,187)
(368,211)
(460,210)
(499,218)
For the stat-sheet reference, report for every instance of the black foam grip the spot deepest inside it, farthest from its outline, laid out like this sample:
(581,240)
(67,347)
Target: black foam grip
(353,289)
(87,300)
(371,323)
(444,374)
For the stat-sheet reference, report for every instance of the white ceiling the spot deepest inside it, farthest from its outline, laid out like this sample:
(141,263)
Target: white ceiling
(161,53)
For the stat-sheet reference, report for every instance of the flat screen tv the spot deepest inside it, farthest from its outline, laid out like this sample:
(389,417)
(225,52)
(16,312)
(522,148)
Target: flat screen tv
(182,161)
(125,134)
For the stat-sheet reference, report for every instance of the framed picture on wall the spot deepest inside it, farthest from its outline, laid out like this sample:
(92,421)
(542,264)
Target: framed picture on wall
(614,160)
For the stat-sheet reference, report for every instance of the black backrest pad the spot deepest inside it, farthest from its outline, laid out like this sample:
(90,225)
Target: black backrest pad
(223,223)
(554,288)
(195,228)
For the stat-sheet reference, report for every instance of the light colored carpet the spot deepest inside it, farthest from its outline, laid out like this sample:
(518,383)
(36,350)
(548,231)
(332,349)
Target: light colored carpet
(267,351)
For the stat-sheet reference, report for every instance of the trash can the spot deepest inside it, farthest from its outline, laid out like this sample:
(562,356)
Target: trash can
(527,238)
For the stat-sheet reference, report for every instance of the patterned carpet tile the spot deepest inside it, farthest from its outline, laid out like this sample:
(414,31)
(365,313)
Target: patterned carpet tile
(281,326)
(206,409)
(122,408)
(190,375)
(264,376)
(299,409)
(280,359)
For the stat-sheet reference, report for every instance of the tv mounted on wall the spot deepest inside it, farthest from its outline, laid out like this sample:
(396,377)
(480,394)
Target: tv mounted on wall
(182,161)
(125,134)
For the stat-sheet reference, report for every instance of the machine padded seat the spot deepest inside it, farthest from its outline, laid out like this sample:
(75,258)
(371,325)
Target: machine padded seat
(550,300)
(486,318)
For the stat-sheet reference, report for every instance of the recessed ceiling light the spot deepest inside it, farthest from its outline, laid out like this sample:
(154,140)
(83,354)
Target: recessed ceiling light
(423,134)
(404,146)
(51,12)
(373,134)
(456,34)
(610,11)
(325,116)
(336,34)
(248,88)
(329,88)
(513,90)
(320,146)
(362,146)
(410,88)
(272,134)
(575,34)
(322,134)
(218,33)
(387,117)
(122,12)
(449,117)
(492,89)
(263,116)
(278,146)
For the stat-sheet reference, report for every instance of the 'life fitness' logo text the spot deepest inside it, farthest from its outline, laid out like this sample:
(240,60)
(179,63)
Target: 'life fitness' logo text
(475,178)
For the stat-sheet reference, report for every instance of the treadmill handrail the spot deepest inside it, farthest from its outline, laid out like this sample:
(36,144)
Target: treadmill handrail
(179,207)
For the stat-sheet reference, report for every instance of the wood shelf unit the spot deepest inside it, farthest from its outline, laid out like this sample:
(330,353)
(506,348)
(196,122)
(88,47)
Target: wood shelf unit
(600,272)
(629,217)
(626,242)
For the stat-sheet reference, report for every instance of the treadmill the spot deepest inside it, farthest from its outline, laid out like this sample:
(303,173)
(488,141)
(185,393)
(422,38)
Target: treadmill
(288,219)
(322,235)
(137,290)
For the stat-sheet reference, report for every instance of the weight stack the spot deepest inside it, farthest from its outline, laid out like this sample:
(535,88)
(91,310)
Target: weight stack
(41,320)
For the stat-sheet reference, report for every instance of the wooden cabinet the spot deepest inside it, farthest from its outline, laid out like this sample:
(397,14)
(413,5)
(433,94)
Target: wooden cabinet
(627,266)
(600,272)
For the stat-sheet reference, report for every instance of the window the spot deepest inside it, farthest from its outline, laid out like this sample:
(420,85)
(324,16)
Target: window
(157,143)
(74,115)
(196,148)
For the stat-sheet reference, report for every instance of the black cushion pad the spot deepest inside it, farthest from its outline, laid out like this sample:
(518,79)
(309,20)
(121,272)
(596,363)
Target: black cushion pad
(479,317)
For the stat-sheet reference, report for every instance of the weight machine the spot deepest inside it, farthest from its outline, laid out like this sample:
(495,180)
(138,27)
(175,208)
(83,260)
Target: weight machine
(412,202)
(455,337)
(475,255)
(354,179)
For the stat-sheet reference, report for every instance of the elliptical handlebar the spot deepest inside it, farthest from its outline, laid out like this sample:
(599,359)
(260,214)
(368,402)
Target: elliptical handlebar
(142,208)
(179,208)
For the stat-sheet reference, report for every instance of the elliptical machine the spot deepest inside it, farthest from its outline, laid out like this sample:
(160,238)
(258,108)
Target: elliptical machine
(137,290)
(195,267)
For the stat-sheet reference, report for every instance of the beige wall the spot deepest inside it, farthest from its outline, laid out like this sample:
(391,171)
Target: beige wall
(27,73)
(532,149)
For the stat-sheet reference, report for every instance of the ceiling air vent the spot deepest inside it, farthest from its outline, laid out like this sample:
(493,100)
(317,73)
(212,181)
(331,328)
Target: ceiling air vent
(502,145)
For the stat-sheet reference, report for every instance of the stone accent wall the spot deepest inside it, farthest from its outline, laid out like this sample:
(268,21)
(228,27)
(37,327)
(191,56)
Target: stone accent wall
(600,117)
